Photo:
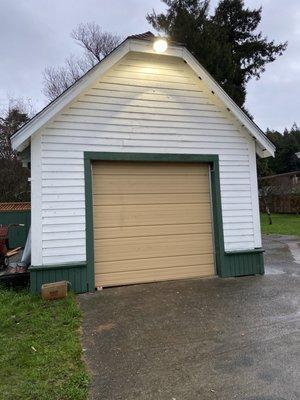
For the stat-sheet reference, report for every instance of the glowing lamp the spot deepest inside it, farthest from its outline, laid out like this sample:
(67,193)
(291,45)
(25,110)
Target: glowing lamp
(160,45)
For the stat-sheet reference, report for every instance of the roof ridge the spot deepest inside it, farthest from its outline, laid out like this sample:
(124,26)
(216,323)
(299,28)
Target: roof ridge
(144,36)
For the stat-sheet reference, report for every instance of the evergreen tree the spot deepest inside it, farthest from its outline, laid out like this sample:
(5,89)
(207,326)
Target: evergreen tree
(285,160)
(14,185)
(12,120)
(226,43)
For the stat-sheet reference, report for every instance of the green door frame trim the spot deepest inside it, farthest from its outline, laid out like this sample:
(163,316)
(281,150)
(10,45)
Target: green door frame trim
(213,160)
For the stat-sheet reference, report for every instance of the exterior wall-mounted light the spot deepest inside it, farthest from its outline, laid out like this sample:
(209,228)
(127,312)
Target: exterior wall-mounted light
(160,45)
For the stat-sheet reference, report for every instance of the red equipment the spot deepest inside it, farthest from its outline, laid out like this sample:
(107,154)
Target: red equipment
(4,245)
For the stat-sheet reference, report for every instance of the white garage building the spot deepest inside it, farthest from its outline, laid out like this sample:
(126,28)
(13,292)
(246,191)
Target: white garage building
(144,170)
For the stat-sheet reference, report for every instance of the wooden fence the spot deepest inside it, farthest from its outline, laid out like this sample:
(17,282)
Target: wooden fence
(289,204)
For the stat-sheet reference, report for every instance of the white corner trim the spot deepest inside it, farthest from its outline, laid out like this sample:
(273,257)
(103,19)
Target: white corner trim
(262,152)
(254,195)
(36,201)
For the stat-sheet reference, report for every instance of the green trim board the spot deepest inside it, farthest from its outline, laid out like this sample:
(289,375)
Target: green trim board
(57,266)
(89,222)
(75,273)
(257,250)
(242,263)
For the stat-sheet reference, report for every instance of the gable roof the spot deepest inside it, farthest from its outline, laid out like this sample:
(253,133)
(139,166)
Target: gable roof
(140,43)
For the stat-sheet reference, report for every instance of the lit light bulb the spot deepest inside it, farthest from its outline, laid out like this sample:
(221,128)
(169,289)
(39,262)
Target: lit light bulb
(160,45)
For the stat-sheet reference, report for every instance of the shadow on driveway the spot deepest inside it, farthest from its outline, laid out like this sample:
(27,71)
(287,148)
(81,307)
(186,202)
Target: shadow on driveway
(235,338)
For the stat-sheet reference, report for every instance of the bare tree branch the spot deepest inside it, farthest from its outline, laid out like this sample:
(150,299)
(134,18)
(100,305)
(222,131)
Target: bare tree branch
(96,44)
(93,40)
(57,80)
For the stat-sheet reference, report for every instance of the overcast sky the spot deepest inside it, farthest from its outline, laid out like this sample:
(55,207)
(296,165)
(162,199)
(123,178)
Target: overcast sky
(36,33)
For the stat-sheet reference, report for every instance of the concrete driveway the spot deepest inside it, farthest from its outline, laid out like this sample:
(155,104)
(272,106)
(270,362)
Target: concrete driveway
(236,338)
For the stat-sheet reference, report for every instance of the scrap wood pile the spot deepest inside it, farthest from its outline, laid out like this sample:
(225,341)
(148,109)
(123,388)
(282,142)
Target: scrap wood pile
(13,252)
(9,262)
(6,254)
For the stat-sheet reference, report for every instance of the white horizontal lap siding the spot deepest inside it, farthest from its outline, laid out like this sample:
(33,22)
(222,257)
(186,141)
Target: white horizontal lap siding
(148,104)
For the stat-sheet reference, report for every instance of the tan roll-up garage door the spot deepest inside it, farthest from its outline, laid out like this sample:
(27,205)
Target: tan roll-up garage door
(152,222)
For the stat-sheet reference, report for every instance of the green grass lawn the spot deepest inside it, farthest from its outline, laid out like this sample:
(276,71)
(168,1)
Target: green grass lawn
(284,224)
(40,351)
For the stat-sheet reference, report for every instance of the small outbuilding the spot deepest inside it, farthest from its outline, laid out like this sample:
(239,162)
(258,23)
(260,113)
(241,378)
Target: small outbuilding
(144,170)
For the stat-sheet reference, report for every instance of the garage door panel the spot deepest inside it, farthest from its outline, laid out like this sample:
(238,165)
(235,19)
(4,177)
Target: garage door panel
(141,168)
(152,221)
(151,230)
(152,246)
(135,184)
(155,263)
(157,198)
(132,215)
(153,275)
